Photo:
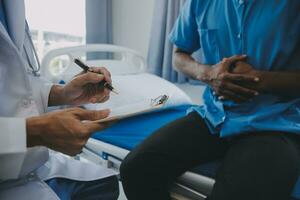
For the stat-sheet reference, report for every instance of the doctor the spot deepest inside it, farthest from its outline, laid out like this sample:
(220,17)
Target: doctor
(27,169)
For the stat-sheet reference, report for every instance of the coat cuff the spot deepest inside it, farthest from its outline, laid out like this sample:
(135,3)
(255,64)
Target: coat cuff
(12,135)
(45,92)
(12,147)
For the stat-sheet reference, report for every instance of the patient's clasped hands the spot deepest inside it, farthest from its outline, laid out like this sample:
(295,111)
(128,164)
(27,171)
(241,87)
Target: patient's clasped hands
(67,131)
(233,79)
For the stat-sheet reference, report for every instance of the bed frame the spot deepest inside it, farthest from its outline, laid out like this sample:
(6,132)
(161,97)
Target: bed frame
(58,65)
(188,186)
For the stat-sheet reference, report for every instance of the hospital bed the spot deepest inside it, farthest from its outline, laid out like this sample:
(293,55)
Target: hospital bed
(109,147)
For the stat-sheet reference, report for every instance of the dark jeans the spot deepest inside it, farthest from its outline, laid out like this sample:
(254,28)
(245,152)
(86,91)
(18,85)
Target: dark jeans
(102,189)
(256,166)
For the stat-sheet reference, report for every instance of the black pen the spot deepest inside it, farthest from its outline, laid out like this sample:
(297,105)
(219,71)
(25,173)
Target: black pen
(87,69)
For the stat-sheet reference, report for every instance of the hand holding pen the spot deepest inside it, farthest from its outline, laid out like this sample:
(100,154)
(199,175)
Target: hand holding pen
(86,68)
(92,85)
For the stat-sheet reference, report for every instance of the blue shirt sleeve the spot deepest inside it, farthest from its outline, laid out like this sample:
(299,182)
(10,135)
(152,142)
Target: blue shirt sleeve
(185,31)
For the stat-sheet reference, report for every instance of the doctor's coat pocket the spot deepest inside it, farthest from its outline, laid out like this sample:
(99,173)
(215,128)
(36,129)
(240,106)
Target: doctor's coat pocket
(210,46)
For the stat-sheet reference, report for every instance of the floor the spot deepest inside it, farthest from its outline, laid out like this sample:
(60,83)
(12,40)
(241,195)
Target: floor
(122,195)
(193,91)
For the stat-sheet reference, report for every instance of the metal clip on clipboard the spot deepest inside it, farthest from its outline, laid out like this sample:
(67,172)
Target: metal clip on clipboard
(159,100)
(136,109)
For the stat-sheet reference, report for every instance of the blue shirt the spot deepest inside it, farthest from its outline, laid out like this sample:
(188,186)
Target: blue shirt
(269,33)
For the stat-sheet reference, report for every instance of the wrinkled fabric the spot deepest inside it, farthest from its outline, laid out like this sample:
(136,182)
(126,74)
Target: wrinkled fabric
(269,33)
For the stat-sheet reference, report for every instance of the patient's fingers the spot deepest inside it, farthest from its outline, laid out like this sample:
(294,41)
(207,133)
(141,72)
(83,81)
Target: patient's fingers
(229,95)
(241,77)
(242,91)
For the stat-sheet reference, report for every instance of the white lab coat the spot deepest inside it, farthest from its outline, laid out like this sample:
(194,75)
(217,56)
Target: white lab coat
(23,170)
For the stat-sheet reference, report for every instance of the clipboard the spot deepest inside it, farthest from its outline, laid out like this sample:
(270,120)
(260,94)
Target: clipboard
(135,109)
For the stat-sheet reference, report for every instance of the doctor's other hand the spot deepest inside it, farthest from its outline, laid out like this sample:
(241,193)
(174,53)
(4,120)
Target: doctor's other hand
(84,88)
(226,84)
(64,131)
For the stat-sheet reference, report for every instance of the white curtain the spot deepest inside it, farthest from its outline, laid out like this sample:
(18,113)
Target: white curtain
(160,49)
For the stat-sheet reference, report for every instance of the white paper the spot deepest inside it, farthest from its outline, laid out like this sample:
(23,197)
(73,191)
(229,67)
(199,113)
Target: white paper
(136,92)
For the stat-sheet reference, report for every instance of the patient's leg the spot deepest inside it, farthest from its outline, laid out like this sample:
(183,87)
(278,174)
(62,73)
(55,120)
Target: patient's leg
(262,166)
(148,170)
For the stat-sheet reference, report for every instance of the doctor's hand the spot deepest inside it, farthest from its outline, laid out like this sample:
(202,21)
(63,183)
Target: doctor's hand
(64,131)
(84,88)
(226,84)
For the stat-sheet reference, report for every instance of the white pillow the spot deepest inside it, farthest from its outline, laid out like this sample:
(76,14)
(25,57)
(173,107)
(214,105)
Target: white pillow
(140,87)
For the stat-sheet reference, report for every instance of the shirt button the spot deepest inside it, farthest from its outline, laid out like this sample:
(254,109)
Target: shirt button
(31,177)
(26,102)
(239,36)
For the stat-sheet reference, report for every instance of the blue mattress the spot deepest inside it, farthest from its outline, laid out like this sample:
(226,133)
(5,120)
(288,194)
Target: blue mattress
(130,132)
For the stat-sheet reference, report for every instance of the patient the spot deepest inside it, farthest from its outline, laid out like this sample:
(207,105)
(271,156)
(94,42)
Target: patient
(250,119)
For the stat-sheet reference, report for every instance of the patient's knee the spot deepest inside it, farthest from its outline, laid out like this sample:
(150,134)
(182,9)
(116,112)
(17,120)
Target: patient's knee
(131,165)
(137,165)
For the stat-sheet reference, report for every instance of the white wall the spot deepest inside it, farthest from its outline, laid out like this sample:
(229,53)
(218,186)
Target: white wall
(132,23)
(132,20)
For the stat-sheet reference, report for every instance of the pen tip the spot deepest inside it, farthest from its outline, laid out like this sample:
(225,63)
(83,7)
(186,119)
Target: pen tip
(114,91)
